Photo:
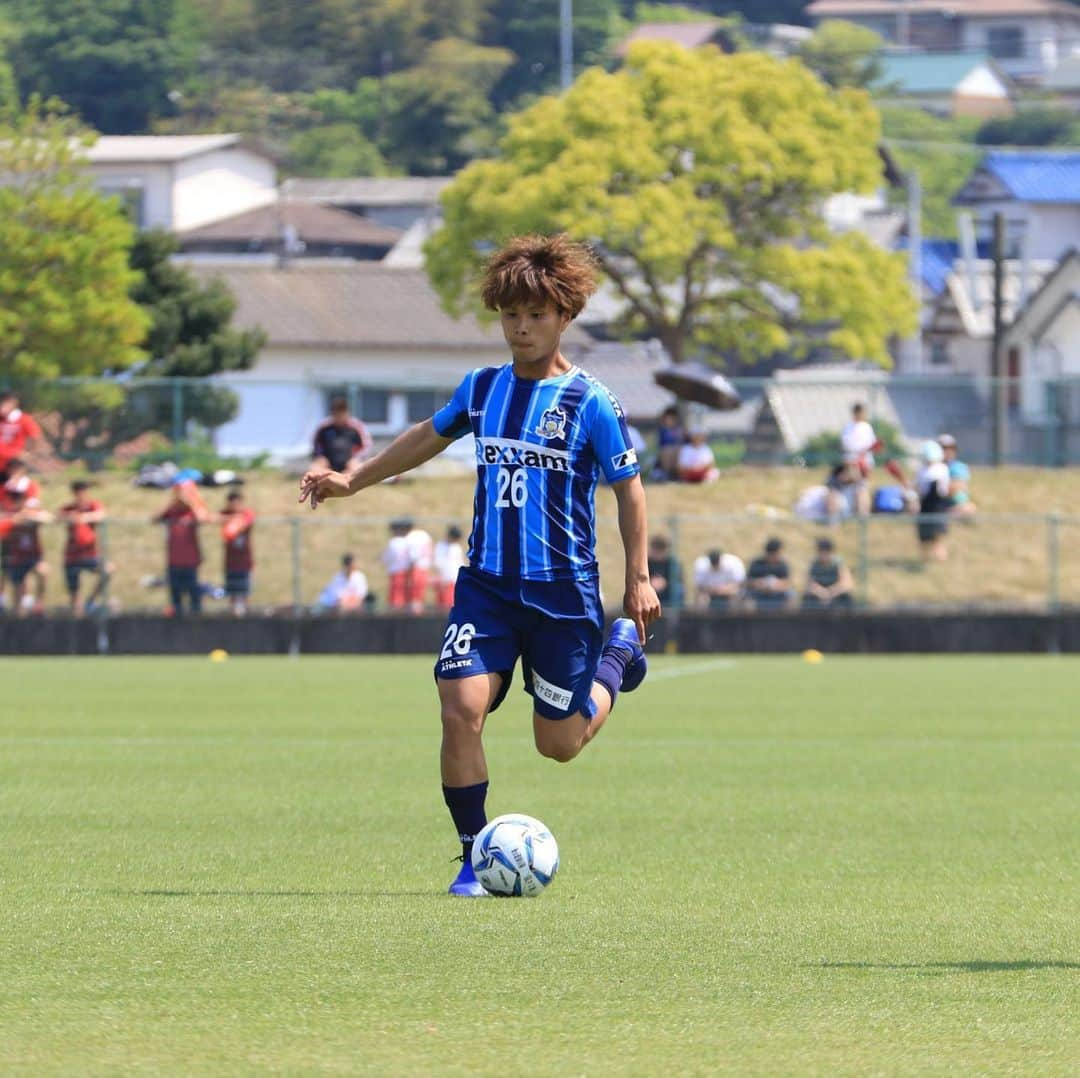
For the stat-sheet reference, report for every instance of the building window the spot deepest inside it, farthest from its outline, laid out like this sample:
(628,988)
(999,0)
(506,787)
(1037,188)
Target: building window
(132,200)
(368,405)
(939,354)
(421,404)
(1005,42)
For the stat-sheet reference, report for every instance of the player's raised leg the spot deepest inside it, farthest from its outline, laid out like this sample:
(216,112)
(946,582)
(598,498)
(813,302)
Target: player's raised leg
(465,703)
(621,668)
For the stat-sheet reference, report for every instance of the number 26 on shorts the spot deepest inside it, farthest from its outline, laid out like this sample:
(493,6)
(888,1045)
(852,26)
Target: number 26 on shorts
(457,639)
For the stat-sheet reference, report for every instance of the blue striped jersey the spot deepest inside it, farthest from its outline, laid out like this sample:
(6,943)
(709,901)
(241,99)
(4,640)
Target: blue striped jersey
(541,445)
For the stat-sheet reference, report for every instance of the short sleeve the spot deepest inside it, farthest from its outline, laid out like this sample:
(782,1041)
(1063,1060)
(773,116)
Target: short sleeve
(30,426)
(452,419)
(610,439)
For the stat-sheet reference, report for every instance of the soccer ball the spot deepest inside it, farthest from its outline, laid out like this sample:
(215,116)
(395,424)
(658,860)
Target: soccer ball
(515,856)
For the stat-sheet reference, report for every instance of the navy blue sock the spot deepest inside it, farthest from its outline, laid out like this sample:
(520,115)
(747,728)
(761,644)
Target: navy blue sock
(611,670)
(466,805)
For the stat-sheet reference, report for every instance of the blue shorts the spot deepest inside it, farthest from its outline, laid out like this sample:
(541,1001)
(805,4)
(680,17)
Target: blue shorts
(238,583)
(73,569)
(18,573)
(492,623)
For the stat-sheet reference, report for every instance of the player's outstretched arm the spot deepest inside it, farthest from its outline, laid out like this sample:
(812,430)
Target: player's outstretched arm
(408,450)
(640,601)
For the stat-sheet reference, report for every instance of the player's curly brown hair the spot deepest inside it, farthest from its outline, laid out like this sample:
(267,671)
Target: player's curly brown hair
(545,269)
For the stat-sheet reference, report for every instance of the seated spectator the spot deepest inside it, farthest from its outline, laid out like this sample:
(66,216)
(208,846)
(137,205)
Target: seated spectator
(932,485)
(669,441)
(696,463)
(719,578)
(341,442)
(959,478)
(347,590)
(769,578)
(81,555)
(843,486)
(665,573)
(829,585)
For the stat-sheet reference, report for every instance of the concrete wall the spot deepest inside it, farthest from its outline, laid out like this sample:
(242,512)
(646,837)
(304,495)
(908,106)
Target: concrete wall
(155,181)
(690,632)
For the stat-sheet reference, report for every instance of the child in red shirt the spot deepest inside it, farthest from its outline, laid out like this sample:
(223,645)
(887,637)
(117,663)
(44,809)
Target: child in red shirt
(81,555)
(21,513)
(181,518)
(17,429)
(237,524)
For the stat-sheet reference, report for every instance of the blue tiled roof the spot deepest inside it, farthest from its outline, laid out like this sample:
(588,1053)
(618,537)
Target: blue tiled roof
(1039,176)
(927,73)
(937,261)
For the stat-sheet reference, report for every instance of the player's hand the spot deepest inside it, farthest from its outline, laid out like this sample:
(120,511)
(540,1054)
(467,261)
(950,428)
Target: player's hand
(641,605)
(319,484)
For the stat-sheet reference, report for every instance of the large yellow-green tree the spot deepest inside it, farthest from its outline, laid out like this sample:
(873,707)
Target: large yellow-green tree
(65,281)
(699,179)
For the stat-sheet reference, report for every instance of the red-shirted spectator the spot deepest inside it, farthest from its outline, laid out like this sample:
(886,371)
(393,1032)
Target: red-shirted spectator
(81,554)
(238,522)
(340,441)
(22,553)
(18,431)
(181,518)
(20,544)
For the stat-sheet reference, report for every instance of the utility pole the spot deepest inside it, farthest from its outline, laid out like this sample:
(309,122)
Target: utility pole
(566,43)
(914,193)
(1000,394)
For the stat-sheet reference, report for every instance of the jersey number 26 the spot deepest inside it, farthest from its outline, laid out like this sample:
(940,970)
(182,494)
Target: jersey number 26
(512,483)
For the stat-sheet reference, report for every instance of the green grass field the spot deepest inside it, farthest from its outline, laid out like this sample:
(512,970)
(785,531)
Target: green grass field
(870,866)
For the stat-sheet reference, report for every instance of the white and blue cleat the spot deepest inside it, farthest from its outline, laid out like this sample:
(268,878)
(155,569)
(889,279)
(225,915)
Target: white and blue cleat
(467,885)
(624,636)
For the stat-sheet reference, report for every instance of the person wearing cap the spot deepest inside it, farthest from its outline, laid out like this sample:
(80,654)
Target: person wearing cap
(959,478)
(932,485)
(829,584)
(81,555)
(769,578)
(696,463)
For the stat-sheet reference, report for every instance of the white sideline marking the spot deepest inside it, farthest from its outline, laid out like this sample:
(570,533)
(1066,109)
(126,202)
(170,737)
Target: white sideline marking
(690,670)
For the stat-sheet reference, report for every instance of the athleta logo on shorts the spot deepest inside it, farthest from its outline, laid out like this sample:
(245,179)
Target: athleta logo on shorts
(551,694)
(621,460)
(510,451)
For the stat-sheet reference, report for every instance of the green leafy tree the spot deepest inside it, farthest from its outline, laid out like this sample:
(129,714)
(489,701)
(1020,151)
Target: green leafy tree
(1042,125)
(844,54)
(65,307)
(435,117)
(911,135)
(9,95)
(339,149)
(114,62)
(531,33)
(699,178)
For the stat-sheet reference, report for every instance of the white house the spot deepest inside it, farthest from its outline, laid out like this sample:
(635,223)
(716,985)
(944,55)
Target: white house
(373,332)
(1044,343)
(180,182)
(1027,38)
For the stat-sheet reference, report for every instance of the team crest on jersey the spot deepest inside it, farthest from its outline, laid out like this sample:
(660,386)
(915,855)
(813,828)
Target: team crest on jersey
(552,424)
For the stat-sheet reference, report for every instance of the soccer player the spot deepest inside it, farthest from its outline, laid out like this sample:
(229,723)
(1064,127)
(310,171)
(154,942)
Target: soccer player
(545,431)
(83,514)
(238,521)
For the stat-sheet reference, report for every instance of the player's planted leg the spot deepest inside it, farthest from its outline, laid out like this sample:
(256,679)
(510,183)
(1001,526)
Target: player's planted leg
(465,704)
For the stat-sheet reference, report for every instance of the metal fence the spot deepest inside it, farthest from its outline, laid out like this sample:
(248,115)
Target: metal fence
(1017,561)
(247,416)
